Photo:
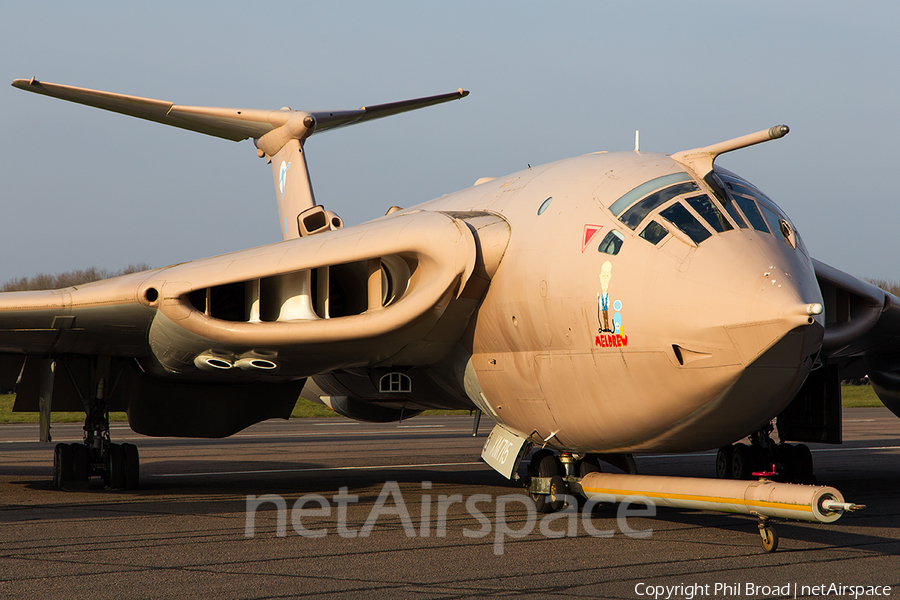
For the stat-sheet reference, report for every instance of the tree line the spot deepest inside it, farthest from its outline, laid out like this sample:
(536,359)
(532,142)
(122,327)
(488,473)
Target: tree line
(888,286)
(46,281)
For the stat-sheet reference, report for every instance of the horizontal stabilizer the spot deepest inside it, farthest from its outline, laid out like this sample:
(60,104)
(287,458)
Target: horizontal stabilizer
(229,123)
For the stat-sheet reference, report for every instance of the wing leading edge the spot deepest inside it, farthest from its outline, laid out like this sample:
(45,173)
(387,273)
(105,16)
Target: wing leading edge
(246,326)
(354,296)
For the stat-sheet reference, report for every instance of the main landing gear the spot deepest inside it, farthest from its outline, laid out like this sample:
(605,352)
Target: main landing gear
(117,464)
(793,462)
(74,464)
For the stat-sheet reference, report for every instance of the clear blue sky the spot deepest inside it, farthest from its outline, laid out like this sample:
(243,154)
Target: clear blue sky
(84,188)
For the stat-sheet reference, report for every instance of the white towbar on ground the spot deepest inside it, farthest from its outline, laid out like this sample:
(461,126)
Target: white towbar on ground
(762,498)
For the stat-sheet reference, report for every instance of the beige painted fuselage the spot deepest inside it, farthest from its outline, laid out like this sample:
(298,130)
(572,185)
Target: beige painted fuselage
(709,341)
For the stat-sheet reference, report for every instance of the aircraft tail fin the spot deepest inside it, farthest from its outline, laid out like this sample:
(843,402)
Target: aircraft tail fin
(278,134)
(229,123)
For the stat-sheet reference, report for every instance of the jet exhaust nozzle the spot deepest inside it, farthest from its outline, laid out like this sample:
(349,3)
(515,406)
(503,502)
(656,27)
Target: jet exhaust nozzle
(256,364)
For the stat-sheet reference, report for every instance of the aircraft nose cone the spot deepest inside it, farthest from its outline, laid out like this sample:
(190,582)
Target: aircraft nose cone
(782,299)
(746,286)
(773,329)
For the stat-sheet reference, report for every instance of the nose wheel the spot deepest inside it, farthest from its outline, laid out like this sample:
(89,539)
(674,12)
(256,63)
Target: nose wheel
(544,464)
(740,461)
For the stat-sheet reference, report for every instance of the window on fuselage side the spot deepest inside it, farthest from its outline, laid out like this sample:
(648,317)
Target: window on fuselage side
(612,243)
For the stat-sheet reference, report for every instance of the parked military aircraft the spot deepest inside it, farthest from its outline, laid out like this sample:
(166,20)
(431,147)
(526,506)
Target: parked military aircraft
(596,307)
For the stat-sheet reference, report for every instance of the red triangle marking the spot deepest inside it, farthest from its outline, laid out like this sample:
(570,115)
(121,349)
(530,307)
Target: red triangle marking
(589,232)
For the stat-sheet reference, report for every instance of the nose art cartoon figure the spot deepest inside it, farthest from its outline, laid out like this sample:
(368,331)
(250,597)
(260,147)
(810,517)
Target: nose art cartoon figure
(603,298)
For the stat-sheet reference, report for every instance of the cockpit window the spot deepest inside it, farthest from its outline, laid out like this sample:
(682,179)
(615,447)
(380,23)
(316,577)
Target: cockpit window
(777,221)
(749,207)
(654,232)
(768,212)
(634,215)
(612,243)
(773,219)
(679,216)
(710,213)
(785,228)
(645,188)
(735,213)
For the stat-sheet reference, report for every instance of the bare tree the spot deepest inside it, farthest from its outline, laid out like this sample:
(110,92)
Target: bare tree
(888,286)
(45,281)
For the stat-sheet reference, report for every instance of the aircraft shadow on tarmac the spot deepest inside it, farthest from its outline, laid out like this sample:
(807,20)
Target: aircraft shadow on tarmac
(835,536)
(224,487)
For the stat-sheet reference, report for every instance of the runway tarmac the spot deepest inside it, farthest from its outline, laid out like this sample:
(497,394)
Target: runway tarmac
(187,533)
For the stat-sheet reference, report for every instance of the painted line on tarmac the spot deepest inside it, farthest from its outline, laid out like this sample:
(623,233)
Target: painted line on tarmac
(700,454)
(317,469)
(296,434)
(852,449)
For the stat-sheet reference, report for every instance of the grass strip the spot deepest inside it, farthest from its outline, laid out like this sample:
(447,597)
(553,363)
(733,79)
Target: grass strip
(302,410)
(852,396)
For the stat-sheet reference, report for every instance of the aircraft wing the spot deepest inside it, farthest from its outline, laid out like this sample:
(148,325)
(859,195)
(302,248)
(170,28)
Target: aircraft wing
(862,331)
(399,290)
(234,124)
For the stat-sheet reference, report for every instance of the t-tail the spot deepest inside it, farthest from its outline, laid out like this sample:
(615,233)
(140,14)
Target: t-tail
(279,135)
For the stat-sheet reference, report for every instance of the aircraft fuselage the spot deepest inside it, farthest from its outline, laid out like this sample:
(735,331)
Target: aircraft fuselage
(594,343)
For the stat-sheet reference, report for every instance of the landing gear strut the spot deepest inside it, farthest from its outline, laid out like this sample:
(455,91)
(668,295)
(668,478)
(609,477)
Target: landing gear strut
(117,464)
(545,464)
(550,475)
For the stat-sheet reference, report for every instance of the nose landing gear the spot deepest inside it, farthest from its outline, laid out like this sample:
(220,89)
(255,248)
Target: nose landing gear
(738,461)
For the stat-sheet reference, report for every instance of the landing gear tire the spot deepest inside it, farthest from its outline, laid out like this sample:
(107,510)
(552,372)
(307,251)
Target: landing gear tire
(589,464)
(803,458)
(798,463)
(723,462)
(741,466)
(545,464)
(115,478)
(62,465)
(132,466)
(769,538)
(557,495)
(81,463)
